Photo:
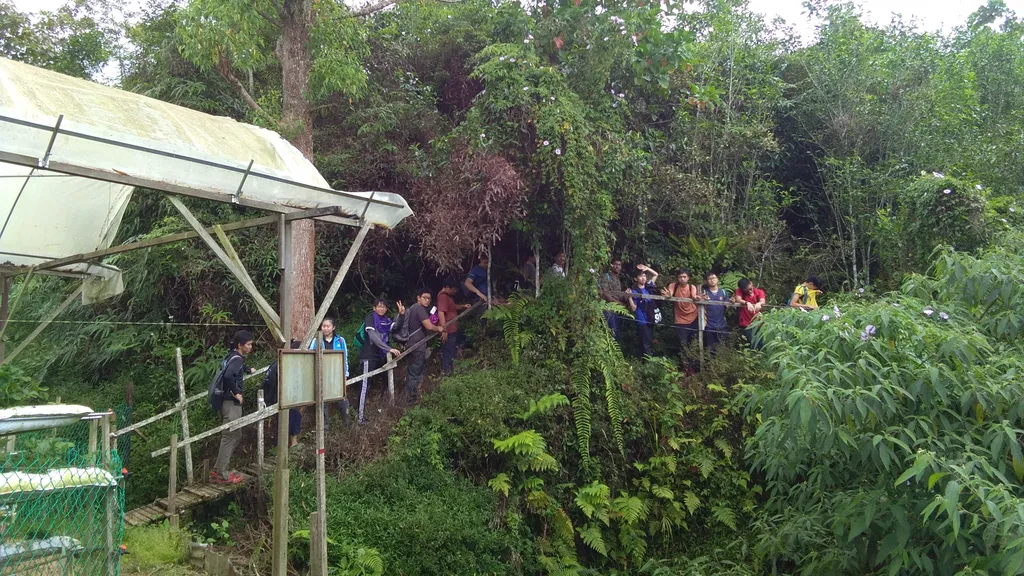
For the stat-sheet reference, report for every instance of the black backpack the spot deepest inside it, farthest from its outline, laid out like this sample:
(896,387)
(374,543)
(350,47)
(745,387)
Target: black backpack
(400,330)
(215,395)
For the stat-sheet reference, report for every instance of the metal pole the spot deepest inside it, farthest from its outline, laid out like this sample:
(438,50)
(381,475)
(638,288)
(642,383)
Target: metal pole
(321,472)
(183,402)
(107,423)
(5,293)
(279,554)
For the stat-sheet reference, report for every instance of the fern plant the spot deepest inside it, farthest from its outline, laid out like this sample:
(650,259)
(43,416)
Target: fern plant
(511,318)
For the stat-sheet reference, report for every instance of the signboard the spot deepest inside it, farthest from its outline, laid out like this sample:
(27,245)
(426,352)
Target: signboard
(296,372)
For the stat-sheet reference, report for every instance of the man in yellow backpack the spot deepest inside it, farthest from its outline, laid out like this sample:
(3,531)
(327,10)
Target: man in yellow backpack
(806,295)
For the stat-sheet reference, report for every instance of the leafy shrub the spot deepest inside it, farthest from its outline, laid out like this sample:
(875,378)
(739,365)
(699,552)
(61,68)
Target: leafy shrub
(889,430)
(938,210)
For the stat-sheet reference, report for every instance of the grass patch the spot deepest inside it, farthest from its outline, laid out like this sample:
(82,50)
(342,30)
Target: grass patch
(152,548)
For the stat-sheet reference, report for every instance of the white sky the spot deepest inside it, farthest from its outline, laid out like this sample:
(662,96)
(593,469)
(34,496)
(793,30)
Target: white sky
(930,14)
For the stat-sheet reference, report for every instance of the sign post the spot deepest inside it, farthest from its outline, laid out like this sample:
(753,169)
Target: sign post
(321,472)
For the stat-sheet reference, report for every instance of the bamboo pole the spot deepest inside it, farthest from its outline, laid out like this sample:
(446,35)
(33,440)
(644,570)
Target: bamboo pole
(184,416)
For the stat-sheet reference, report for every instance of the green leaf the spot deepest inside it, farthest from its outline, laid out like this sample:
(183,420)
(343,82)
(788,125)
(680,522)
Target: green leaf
(952,505)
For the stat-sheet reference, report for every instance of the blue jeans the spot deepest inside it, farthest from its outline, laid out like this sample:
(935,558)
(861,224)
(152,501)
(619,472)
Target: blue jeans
(448,350)
(752,338)
(415,370)
(613,323)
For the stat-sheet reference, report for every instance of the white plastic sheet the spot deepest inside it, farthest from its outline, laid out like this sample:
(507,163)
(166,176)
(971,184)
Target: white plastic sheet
(107,132)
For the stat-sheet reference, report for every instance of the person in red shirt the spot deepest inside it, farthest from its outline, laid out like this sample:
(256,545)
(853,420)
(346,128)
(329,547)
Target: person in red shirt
(447,310)
(754,299)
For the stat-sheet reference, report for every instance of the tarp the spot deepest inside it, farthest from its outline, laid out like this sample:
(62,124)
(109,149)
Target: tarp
(120,139)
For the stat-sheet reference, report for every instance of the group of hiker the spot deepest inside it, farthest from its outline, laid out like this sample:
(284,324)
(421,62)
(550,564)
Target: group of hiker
(382,335)
(646,314)
(379,336)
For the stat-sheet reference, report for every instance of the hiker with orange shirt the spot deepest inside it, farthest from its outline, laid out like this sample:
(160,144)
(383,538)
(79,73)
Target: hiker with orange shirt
(685,312)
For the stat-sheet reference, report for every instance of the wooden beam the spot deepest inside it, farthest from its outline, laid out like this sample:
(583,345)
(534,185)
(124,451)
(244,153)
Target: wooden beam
(43,324)
(336,284)
(274,322)
(151,242)
(172,483)
(229,249)
(233,425)
(177,407)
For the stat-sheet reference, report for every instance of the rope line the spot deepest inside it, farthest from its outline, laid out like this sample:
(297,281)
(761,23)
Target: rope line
(123,323)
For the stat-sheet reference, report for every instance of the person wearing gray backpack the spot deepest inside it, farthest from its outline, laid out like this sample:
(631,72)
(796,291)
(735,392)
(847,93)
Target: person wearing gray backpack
(226,398)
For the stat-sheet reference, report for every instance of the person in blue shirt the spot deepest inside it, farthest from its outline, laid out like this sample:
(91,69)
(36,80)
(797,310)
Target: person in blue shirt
(715,328)
(643,308)
(476,284)
(332,341)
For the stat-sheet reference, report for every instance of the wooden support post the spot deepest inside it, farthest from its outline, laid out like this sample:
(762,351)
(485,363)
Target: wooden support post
(391,380)
(279,545)
(172,483)
(488,276)
(315,569)
(321,312)
(43,323)
(321,472)
(93,431)
(260,405)
(273,320)
(536,272)
(110,501)
(10,443)
(183,404)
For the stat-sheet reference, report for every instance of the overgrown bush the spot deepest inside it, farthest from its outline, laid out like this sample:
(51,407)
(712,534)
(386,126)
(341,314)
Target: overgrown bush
(889,435)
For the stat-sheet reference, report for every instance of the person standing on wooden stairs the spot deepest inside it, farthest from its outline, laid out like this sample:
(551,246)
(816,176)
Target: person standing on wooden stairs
(332,341)
(374,337)
(231,405)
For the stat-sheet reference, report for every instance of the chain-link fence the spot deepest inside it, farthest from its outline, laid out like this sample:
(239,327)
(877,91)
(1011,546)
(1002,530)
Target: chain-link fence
(61,503)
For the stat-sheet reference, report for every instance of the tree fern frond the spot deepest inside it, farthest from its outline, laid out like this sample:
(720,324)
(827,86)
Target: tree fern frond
(501,484)
(581,409)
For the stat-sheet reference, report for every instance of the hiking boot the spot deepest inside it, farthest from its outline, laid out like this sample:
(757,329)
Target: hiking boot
(232,478)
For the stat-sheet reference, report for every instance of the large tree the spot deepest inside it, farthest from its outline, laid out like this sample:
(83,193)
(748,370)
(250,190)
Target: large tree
(317,47)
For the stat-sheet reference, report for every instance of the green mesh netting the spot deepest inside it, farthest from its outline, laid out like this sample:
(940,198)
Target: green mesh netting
(61,506)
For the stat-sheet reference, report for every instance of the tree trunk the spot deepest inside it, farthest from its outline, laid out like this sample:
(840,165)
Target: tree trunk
(297,126)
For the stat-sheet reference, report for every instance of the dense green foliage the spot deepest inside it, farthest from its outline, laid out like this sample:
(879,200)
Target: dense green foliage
(881,436)
(889,436)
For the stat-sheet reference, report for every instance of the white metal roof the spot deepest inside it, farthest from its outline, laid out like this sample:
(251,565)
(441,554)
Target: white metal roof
(63,191)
